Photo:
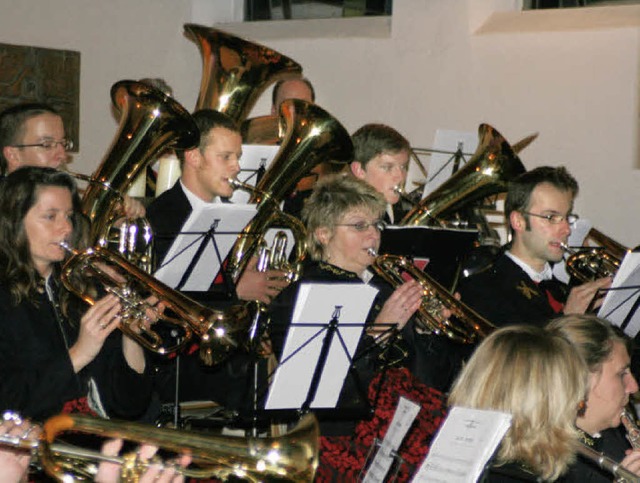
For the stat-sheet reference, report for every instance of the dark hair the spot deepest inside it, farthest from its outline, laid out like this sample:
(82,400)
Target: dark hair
(12,122)
(206,120)
(18,194)
(520,189)
(372,140)
(280,83)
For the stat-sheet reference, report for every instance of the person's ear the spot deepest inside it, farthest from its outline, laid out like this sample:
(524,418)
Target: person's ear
(323,235)
(192,157)
(517,221)
(358,169)
(10,154)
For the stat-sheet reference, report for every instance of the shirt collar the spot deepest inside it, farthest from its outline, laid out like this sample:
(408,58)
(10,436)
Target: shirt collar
(545,274)
(195,201)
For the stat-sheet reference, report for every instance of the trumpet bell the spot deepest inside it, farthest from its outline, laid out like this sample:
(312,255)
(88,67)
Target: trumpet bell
(292,457)
(486,173)
(235,71)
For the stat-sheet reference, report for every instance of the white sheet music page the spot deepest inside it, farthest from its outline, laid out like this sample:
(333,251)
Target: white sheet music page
(618,303)
(254,156)
(229,220)
(463,446)
(316,305)
(403,418)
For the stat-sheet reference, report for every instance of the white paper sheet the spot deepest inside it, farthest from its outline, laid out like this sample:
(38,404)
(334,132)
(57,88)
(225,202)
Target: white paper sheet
(618,303)
(254,156)
(316,304)
(463,446)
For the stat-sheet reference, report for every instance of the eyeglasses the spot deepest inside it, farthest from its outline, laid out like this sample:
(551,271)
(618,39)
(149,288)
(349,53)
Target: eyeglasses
(571,218)
(364,225)
(48,145)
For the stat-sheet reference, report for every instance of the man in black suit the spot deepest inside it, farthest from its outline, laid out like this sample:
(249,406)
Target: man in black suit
(206,170)
(519,287)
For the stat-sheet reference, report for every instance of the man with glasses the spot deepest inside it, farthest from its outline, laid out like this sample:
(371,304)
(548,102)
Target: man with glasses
(32,134)
(519,287)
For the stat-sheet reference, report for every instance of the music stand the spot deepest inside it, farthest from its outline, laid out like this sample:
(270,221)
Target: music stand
(321,350)
(620,306)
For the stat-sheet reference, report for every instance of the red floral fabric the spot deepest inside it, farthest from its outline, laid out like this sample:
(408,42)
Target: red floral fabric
(80,405)
(342,458)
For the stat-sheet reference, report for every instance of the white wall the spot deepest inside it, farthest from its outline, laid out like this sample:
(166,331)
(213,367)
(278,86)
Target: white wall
(573,76)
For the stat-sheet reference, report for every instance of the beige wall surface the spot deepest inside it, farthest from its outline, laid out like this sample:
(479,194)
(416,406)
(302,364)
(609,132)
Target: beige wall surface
(572,75)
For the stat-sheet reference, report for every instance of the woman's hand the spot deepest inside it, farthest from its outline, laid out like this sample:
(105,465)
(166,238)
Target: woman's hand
(401,306)
(95,326)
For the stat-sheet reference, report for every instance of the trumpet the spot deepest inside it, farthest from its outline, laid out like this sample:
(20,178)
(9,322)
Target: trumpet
(630,426)
(465,325)
(292,457)
(220,332)
(589,264)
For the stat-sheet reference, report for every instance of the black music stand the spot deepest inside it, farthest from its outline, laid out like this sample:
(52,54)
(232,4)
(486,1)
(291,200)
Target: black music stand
(319,361)
(445,248)
(620,306)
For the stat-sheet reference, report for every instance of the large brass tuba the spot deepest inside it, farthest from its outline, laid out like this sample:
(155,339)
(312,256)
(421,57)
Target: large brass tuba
(219,331)
(292,457)
(150,122)
(465,325)
(236,71)
(487,173)
(312,136)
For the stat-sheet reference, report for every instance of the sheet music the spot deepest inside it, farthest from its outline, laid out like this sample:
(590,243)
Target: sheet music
(254,156)
(578,233)
(448,140)
(463,446)
(403,418)
(316,304)
(229,220)
(618,303)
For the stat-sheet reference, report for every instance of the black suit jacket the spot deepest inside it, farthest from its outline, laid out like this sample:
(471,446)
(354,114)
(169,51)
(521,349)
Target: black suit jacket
(505,295)
(167,213)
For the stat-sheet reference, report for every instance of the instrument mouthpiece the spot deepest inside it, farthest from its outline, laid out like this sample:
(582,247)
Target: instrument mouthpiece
(372,252)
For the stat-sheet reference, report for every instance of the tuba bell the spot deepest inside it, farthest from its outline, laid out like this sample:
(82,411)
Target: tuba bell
(291,457)
(465,325)
(220,332)
(487,173)
(235,71)
(150,122)
(312,136)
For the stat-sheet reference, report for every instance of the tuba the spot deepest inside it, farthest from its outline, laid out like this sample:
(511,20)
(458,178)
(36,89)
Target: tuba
(465,325)
(291,457)
(590,263)
(235,71)
(150,122)
(219,331)
(487,173)
(312,136)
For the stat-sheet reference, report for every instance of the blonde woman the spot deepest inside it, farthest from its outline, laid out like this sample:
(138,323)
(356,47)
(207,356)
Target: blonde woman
(538,378)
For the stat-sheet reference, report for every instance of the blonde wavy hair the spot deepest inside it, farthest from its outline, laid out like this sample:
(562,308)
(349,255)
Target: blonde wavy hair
(540,379)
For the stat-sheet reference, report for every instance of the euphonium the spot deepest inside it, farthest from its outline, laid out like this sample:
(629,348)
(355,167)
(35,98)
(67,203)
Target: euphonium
(150,122)
(292,457)
(590,263)
(487,173)
(220,332)
(465,325)
(236,71)
(312,136)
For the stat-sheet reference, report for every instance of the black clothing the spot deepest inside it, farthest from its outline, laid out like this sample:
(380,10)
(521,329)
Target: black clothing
(167,213)
(36,374)
(612,443)
(504,294)
(509,473)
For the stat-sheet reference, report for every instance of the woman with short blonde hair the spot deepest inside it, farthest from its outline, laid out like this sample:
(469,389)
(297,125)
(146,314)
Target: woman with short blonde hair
(539,379)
